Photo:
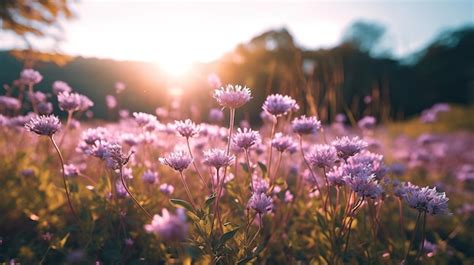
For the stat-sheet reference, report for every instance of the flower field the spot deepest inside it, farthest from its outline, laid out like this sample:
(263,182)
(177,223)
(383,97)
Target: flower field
(163,189)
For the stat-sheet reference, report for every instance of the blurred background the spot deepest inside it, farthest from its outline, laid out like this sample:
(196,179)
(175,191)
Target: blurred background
(388,59)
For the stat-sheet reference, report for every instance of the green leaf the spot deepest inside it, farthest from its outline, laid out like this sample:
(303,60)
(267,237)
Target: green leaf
(209,200)
(227,236)
(263,167)
(245,167)
(182,203)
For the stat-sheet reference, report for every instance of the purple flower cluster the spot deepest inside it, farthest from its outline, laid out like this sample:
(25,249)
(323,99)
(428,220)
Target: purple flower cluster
(43,125)
(427,200)
(61,87)
(283,143)
(217,158)
(186,128)
(306,125)
(261,203)
(178,160)
(279,105)
(245,138)
(323,156)
(168,226)
(232,96)
(347,147)
(30,77)
(69,101)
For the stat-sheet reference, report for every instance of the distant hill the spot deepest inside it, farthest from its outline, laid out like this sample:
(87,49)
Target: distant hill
(271,62)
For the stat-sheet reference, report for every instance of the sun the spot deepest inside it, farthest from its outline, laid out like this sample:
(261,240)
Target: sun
(174,65)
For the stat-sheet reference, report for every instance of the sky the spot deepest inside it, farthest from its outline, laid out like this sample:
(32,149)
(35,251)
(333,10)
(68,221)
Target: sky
(174,34)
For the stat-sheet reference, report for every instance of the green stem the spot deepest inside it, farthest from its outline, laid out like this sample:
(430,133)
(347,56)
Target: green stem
(131,195)
(64,178)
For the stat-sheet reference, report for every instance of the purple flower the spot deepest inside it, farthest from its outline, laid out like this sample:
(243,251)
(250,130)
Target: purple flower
(278,105)
(336,176)
(288,196)
(9,103)
(110,101)
(261,203)
(305,125)
(231,96)
(119,87)
(322,156)
(44,108)
(466,173)
(30,77)
(144,119)
(372,161)
(367,123)
(85,103)
(69,101)
(70,170)
(60,87)
(216,115)
(347,147)
(364,186)
(260,185)
(43,125)
(150,177)
(245,138)
(168,226)
(401,189)
(130,139)
(217,158)
(427,200)
(178,160)
(166,188)
(283,142)
(186,128)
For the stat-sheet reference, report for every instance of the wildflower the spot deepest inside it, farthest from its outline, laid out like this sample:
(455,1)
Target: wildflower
(261,203)
(427,200)
(288,196)
(9,103)
(60,87)
(30,77)
(144,118)
(119,87)
(336,176)
(110,101)
(27,173)
(340,118)
(216,115)
(217,158)
(232,96)
(305,125)
(323,156)
(178,160)
(92,135)
(70,170)
(186,128)
(85,103)
(278,105)
(364,186)
(347,147)
(267,117)
(401,189)
(44,108)
(466,173)
(283,142)
(259,185)
(166,188)
(367,123)
(37,97)
(129,138)
(69,101)
(372,161)
(150,177)
(43,125)
(168,226)
(245,138)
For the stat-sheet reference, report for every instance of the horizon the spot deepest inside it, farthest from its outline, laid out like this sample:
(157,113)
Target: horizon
(165,33)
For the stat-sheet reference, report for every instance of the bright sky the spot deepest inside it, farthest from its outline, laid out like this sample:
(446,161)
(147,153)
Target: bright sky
(176,33)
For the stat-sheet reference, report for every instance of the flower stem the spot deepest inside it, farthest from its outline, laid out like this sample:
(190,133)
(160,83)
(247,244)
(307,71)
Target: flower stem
(194,163)
(64,178)
(309,166)
(131,195)
(188,192)
(413,237)
(269,164)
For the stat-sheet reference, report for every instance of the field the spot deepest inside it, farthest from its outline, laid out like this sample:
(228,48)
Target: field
(161,189)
